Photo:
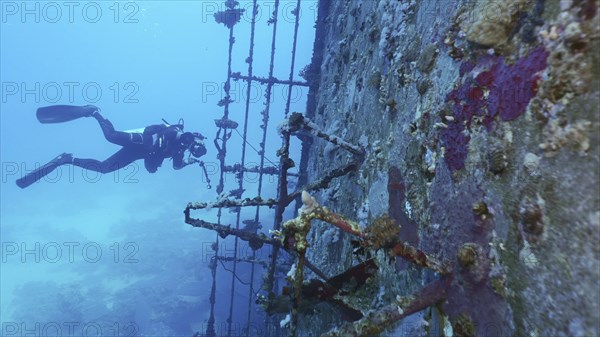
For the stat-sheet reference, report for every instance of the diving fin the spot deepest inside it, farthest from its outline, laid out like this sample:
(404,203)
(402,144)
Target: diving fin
(44,170)
(63,113)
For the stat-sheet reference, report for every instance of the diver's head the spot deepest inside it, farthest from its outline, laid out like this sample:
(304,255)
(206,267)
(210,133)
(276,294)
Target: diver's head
(194,142)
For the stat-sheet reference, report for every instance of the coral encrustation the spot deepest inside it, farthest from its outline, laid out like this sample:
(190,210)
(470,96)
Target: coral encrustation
(500,89)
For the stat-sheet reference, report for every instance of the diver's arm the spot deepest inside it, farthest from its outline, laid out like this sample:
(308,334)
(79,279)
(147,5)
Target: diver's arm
(179,162)
(191,161)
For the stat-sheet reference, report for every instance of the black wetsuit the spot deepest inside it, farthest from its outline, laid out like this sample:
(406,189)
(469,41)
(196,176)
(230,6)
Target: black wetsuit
(156,143)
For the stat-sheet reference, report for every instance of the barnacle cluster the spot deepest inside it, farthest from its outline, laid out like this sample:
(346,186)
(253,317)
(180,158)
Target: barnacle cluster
(383,233)
(493,21)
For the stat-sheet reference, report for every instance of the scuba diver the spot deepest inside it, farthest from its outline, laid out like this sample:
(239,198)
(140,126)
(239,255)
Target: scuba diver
(153,143)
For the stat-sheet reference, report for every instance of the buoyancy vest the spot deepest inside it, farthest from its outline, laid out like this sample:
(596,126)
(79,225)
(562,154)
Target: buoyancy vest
(159,141)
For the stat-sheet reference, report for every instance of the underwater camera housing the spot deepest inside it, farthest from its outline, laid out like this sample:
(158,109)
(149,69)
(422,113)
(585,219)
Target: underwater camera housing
(194,142)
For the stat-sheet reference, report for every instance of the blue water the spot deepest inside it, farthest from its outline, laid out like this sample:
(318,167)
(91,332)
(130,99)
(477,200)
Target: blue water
(84,253)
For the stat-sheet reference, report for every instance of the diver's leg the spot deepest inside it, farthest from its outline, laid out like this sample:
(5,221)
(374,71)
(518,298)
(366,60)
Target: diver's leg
(44,170)
(120,159)
(116,137)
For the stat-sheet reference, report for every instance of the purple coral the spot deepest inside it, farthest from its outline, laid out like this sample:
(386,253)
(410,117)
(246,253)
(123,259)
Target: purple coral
(515,85)
(510,87)
(456,143)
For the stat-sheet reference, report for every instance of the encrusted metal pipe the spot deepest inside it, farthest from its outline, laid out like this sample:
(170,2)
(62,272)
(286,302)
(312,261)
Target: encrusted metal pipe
(294,236)
(255,240)
(419,257)
(263,80)
(247,202)
(376,321)
(297,121)
(325,180)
